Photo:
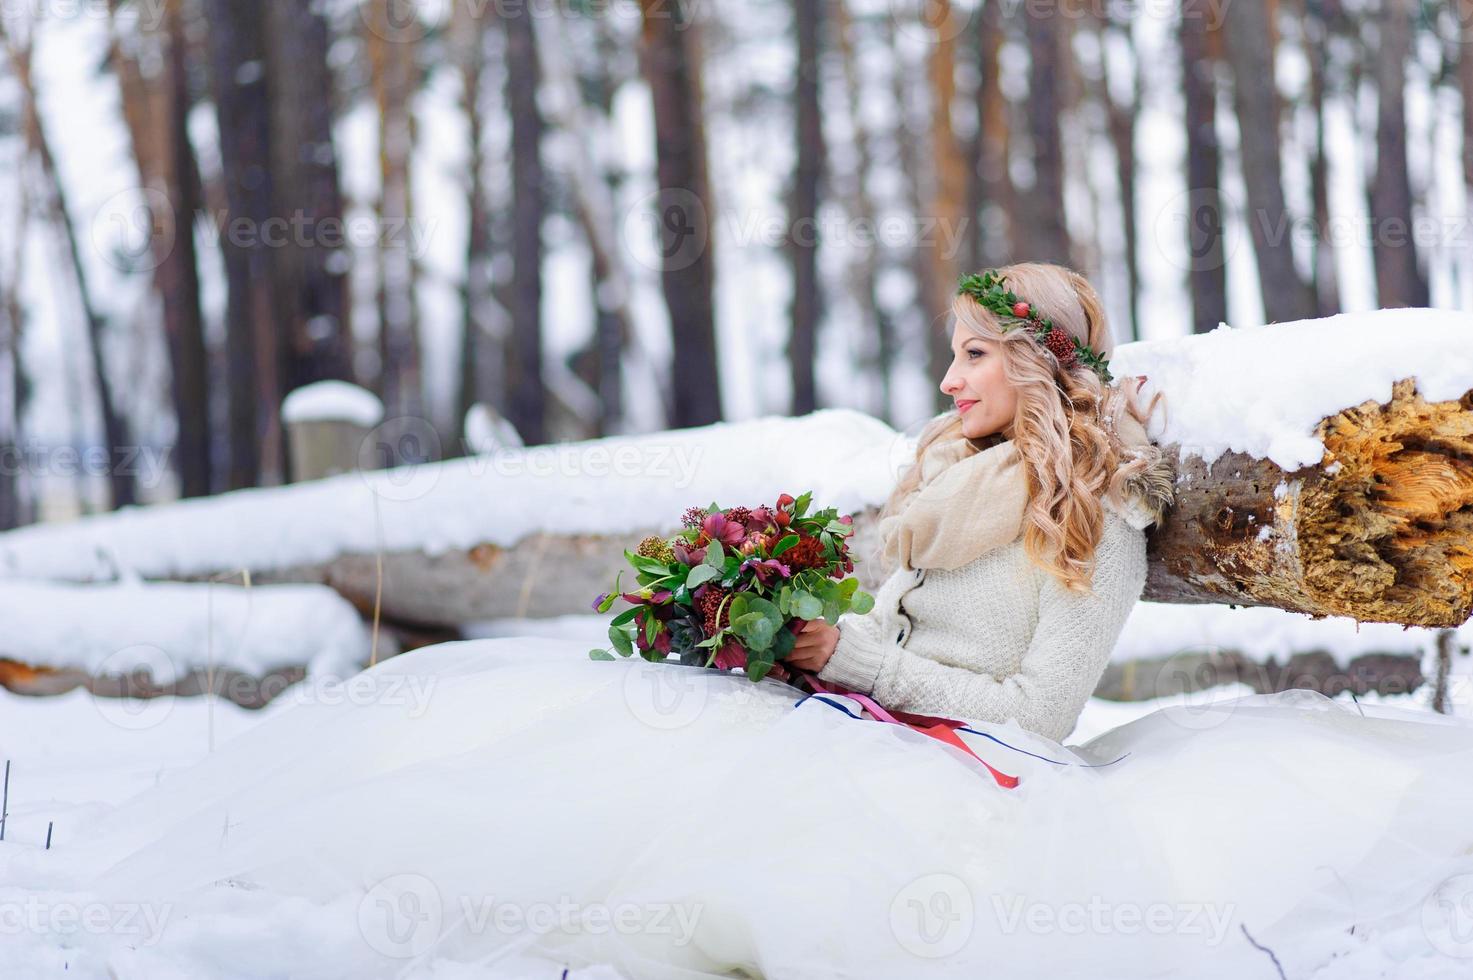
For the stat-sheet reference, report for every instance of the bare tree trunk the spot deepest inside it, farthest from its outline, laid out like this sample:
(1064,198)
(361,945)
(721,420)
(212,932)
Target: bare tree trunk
(311,270)
(392,64)
(989,183)
(905,137)
(1252,41)
(469,41)
(1399,281)
(155,109)
(865,273)
(949,189)
(14,511)
(1048,232)
(114,427)
(1463,11)
(1206,252)
(1326,283)
(670,60)
(803,210)
(1122,123)
(178,278)
(526,395)
(242,108)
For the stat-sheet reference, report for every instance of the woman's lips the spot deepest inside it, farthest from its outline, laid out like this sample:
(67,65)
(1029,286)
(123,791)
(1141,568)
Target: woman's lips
(962,406)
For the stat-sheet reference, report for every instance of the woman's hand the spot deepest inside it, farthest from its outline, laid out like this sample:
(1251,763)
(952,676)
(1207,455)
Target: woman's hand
(815,645)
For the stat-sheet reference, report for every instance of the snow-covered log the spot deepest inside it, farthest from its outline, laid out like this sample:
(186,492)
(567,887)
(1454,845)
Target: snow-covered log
(1323,467)
(1381,531)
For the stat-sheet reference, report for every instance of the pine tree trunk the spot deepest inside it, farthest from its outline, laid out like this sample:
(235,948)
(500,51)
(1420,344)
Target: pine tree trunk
(1121,120)
(990,183)
(242,109)
(803,239)
(670,61)
(392,62)
(1206,254)
(311,271)
(1399,280)
(859,203)
(526,404)
(178,278)
(1326,281)
(1251,43)
(1047,229)
(469,45)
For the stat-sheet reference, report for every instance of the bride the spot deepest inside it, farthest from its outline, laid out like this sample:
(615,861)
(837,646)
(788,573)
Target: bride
(532,812)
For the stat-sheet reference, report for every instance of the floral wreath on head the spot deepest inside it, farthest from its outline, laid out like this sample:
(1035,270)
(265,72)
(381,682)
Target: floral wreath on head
(987,289)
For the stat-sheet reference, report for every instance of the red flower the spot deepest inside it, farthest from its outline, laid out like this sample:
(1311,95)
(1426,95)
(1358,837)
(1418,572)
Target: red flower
(1020,310)
(731,654)
(785,500)
(718,528)
(1061,344)
(807,553)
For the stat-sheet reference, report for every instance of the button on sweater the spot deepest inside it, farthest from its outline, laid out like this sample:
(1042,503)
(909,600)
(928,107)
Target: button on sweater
(996,638)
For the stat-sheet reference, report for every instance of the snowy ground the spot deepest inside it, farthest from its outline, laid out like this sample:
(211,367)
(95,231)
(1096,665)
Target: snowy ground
(75,755)
(72,756)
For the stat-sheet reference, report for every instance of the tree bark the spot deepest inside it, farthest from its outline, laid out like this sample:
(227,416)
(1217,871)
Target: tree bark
(1251,44)
(864,274)
(242,110)
(1048,231)
(803,238)
(1399,280)
(1316,39)
(394,70)
(311,270)
(1206,254)
(526,405)
(670,60)
(989,182)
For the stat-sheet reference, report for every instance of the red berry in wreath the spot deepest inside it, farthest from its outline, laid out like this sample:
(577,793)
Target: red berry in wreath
(1020,310)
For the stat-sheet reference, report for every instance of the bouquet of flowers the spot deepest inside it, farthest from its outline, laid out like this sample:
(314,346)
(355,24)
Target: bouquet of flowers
(734,586)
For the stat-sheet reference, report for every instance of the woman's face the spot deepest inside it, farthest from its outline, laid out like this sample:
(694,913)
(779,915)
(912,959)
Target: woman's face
(975,382)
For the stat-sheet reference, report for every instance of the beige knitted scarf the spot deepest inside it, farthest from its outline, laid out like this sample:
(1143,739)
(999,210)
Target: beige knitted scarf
(968,502)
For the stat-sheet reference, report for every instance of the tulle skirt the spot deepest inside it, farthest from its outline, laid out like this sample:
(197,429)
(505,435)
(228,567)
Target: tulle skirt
(509,805)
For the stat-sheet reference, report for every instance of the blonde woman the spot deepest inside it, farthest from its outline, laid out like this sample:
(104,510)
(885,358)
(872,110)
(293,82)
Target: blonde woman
(1019,531)
(511,808)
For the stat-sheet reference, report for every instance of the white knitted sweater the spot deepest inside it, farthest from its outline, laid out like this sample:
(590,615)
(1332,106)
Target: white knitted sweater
(997,638)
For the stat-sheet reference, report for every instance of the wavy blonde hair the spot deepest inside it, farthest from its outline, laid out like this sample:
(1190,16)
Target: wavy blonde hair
(1062,429)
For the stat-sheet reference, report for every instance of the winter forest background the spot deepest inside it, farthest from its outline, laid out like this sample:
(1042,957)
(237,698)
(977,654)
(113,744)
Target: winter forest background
(613,216)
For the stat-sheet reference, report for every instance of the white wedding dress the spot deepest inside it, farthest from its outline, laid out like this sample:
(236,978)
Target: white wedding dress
(510,808)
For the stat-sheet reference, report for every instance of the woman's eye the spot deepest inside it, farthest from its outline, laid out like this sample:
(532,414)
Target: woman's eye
(973,353)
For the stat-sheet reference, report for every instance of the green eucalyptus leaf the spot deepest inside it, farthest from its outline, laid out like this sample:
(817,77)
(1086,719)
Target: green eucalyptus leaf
(700,574)
(600,655)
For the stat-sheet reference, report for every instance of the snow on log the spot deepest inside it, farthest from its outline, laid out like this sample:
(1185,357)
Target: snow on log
(144,639)
(1323,466)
